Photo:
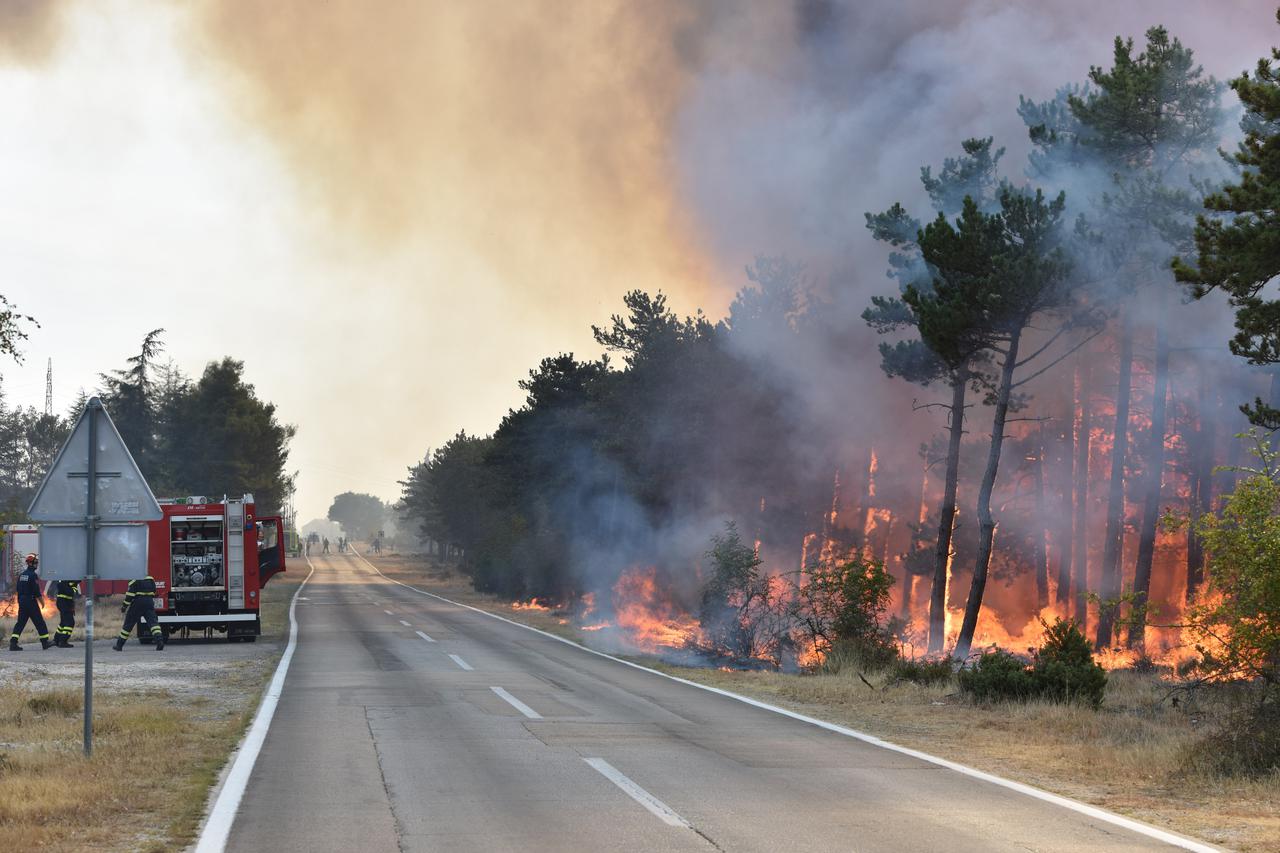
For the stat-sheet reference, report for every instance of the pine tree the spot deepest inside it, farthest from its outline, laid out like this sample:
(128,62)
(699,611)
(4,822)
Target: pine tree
(992,275)
(1146,130)
(974,177)
(1238,244)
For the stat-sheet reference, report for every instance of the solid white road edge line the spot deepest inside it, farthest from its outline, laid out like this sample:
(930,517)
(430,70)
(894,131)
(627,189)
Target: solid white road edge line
(460,662)
(516,703)
(404,623)
(424,636)
(1094,812)
(223,814)
(640,795)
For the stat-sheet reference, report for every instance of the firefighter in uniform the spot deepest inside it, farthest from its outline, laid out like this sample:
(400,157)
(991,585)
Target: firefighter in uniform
(140,606)
(29,600)
(66,600)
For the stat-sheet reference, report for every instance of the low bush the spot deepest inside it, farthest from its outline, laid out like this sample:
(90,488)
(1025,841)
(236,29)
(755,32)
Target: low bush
(1061,670)
(997,676)
(1064,670)
(64,702)
(1246,744)
(864,654)
(924,670)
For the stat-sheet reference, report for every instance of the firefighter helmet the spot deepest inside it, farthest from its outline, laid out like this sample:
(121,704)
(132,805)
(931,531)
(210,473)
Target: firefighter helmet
(31,558)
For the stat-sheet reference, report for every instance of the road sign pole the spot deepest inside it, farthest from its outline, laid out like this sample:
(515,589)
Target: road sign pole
(90,530)
(61,507)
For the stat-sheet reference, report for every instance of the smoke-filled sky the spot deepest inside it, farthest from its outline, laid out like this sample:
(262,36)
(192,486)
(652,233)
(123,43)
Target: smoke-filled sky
(391,210)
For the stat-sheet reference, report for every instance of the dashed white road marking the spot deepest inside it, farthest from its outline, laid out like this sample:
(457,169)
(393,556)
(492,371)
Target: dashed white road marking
(516,703)
(388,612)
(460,662)
(404,623)
(660,809)
(424,636)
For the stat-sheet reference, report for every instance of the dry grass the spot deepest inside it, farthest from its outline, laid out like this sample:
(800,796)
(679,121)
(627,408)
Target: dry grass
(1130,757)
(156,752)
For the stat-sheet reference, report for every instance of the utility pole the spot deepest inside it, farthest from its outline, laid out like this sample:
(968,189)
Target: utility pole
(48,390)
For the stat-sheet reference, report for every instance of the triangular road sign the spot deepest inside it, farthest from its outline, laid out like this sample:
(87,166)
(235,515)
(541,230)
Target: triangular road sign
(121,492)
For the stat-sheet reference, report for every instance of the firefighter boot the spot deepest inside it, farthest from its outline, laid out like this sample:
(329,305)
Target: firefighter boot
(46,643)
(159,642)
(119,645)
(13,645)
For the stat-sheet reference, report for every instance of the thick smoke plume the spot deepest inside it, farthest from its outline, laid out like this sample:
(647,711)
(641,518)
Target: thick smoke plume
(560,154)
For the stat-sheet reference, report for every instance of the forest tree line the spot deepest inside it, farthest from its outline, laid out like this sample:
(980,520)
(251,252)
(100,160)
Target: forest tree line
(1086,386)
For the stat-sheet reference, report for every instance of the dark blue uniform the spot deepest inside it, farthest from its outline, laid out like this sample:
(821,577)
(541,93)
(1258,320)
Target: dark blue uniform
(29,600)
(66,601)
(140,605)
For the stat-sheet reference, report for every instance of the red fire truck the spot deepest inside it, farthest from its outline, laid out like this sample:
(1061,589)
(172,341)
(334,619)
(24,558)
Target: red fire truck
(210,560)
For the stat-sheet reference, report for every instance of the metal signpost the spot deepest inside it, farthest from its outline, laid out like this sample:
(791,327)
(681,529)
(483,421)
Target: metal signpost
(114,503)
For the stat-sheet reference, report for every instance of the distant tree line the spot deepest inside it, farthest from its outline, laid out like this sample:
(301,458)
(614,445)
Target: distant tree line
(209,436)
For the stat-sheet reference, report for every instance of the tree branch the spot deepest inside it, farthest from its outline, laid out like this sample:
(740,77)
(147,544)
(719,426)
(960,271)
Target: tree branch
(1061,331)
(1057,360)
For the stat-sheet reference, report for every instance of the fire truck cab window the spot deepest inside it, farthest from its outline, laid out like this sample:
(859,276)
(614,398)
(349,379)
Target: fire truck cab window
(269,547)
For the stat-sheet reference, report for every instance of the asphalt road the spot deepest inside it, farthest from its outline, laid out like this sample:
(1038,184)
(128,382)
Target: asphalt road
(489,737)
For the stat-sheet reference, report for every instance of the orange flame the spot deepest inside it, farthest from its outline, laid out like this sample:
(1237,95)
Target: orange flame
(650,619)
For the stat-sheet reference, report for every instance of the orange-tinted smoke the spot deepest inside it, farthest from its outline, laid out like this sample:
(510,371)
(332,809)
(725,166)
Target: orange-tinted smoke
(534,138)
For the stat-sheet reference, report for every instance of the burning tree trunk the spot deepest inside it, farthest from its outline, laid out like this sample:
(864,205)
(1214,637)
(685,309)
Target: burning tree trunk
(1063,537)
(1081,546)
(987,524)
(946,517)
(1151,500)
(1113,543)
(1201,492)
(1042,552)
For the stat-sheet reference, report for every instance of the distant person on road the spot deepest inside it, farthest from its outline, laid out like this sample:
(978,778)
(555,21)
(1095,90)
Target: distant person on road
(65,596)
(30,598)
(140,606)
(326,545)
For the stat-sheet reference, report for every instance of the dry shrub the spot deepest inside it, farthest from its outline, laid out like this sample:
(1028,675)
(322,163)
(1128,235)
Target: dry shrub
(62,702)
(1247,743)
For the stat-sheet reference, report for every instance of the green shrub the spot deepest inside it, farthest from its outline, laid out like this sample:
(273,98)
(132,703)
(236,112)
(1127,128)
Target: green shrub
(841,610)
(997,676)
(865,654)
(924,670)
(1064,670)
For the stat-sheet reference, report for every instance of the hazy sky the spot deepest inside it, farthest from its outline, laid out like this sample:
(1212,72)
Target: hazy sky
(391,210)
